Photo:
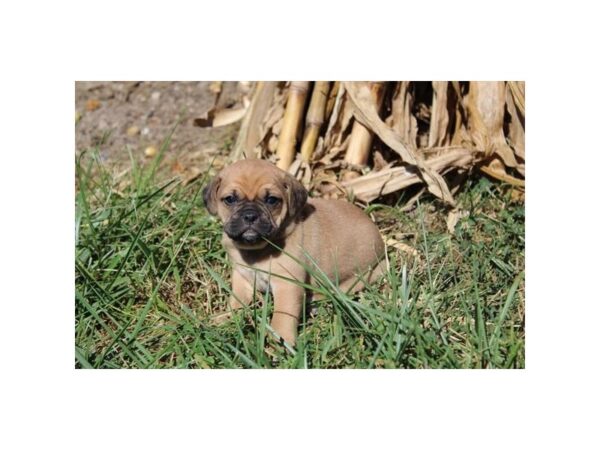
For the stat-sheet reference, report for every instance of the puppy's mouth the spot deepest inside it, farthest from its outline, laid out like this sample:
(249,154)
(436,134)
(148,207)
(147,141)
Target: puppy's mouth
(249,239)
(250,236)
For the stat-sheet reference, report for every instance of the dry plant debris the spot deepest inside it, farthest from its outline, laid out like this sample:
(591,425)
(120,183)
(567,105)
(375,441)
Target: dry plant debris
(370,139)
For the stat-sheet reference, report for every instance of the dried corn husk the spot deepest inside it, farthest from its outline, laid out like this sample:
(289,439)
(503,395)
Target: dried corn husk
(249,135)
(369,187)
(431,134)
(361,138)
(366,113)
(516,126)
(439,134)
(485,106)
(339,121)
(403,121)
(331,98)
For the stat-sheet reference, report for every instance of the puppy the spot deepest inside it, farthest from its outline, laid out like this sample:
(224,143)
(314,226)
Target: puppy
(260,204)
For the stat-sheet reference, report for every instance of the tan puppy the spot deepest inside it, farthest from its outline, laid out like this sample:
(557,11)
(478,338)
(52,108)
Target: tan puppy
(257,201)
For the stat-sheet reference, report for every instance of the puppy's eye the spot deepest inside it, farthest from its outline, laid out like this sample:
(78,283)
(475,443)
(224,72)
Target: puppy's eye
(229,200)
(270,200)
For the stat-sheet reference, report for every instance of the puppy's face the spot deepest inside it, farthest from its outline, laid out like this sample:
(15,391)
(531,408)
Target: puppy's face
(253,198)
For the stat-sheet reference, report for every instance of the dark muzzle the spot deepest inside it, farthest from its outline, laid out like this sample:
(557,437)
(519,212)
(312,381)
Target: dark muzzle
(249,224)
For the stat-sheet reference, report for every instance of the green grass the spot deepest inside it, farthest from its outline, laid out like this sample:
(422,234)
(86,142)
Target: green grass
(150,270)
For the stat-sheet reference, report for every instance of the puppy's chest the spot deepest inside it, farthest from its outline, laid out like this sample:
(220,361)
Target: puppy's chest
(258,278)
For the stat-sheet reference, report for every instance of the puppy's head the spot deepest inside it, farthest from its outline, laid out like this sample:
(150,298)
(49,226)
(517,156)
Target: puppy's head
(254,198)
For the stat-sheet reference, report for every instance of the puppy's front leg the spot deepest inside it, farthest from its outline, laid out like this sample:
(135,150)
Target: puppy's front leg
(241,289)
(242,293)
(287,309)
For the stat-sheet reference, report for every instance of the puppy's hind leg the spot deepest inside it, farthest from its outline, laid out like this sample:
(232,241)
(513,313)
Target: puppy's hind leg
(357,284)
(379,270)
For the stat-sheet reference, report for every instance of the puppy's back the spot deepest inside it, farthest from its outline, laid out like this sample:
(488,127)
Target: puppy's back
(341,236)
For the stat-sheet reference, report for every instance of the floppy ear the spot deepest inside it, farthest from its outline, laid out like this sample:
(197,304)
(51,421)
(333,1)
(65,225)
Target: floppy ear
(297,195)
(209,194)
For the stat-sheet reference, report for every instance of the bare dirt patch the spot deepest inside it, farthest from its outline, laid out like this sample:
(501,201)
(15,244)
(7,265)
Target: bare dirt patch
(118,117)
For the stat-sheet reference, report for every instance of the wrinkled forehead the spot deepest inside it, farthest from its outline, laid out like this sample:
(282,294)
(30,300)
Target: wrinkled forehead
(251,184)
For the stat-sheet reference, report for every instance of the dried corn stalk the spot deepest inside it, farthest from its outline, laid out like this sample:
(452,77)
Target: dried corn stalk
(403,121)
(314,118)
(286,149)
(485,105)
(439,134)
(331,98)
(366,113)
(250,132)
(426,132)
(371,186)
(361,138)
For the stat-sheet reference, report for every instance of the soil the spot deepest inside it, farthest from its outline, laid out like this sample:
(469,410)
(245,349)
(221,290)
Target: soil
(118,117)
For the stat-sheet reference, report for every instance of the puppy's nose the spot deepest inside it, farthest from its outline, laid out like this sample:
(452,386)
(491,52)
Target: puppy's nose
(250,216)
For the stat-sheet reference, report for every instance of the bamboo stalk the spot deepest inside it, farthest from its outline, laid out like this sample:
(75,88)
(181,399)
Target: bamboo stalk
(314,118)
(286,148)
(361,137)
